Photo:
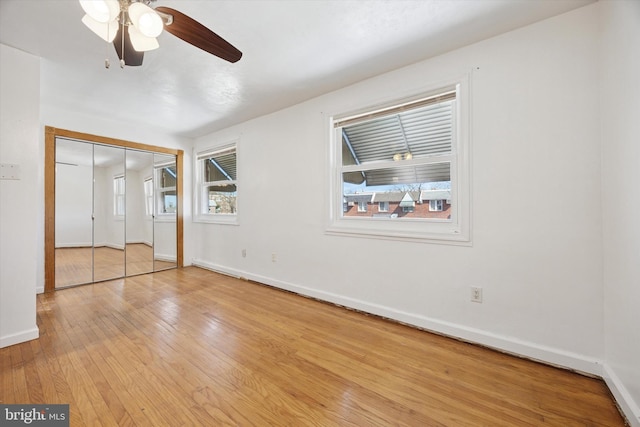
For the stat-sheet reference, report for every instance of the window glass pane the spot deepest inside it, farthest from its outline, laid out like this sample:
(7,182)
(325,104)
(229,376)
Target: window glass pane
(118,196)
(148,192)
(220,167)
(168,176)
(221,199)
(169,201)
(408,134)
(400,192)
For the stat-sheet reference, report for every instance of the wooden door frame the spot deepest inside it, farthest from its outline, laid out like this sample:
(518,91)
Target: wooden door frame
(50,135)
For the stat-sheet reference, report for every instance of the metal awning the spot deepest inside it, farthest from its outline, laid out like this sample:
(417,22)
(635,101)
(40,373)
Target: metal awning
(422,132)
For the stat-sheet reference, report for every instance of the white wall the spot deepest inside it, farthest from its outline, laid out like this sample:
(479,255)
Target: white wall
(537,237)
(74,206)
(139,226)
(621,199)
(20,232)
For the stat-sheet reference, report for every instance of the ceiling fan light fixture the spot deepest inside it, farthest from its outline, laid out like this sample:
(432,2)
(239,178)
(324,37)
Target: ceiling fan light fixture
(105,30)
(140,42)
(102,11)
(146,20)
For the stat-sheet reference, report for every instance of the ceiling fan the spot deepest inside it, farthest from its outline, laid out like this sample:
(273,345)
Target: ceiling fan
(132,26)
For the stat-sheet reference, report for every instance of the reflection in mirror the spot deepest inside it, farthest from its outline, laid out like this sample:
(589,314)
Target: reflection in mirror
(139,207)
(73,211)
(109,212)
(165,205)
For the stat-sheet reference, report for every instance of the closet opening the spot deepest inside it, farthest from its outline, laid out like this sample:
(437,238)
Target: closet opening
(113,208)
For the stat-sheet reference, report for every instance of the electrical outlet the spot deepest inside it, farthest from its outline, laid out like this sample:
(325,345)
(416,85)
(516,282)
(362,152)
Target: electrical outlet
(273,257)
(476,294)
(244,253)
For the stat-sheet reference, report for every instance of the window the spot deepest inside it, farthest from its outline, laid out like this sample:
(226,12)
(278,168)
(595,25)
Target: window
(148,196)
(362,206)
(166,198)
(435,205)
(402,153)
(217,185)
(118,195)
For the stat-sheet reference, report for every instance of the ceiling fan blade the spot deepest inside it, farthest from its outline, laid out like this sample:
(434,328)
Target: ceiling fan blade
(132,57)
(200,36)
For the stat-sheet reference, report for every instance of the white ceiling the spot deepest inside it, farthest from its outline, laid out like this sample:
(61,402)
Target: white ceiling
(292,51)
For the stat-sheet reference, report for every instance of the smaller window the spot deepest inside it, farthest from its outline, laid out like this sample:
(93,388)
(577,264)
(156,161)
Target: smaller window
(217,188)
(148,195)
(435,205)
(407,209)
(383,206)
(362,206)
(118,195)
(166,189)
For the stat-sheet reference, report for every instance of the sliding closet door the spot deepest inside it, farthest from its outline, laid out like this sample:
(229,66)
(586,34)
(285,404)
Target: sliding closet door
(139,212)
(165,215)
(73,213)
(109,207)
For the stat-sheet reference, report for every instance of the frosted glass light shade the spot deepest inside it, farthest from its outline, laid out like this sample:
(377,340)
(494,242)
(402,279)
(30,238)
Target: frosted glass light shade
(101,10)
(106,30)
(140,42)
(145,19)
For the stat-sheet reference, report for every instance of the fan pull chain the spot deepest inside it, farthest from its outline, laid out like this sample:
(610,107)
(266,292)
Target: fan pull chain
(107,64)
(122,40)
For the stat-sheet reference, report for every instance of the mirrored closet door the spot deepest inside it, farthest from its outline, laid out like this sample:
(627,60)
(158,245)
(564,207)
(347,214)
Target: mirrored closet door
(114,210)
(139,206)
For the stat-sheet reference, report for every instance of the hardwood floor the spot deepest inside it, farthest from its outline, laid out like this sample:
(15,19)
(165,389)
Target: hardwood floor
(74,265)
(192,347)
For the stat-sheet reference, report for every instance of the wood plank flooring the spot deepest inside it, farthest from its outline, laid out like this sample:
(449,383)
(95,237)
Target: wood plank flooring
(74,265)
(192,347)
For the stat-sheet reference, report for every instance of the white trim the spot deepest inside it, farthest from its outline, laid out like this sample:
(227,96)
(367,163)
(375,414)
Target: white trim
(455,231)
(165,257)
(622,396)
(198,195)
(549,355)
(20,337)
(74,245)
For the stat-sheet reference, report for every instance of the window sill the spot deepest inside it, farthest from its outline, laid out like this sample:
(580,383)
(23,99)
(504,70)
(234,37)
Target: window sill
(441,232)
(228,219)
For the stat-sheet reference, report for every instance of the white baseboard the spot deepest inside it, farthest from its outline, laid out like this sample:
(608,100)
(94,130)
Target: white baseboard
(139,242)
(165,257)
(74,245)
(19,337)
(622,396)
(521,348)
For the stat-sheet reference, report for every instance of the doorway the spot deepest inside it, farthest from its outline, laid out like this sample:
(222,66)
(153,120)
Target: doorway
(113,208)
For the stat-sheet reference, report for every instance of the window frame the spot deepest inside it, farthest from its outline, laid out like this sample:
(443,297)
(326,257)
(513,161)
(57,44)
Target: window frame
(149,194)
(158,191)
(199,196)
(119,198)
(437,207)
(383,209)
(457,229)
